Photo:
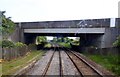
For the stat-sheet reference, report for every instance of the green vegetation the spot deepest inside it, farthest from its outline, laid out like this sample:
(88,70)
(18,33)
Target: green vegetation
(65,41)
(65,44)
(41,39)
(19,44)
(48,45)
(62,39)
(10,67)
(111,62)
(11,50)
(0,70)
(75,42)
(117,42)
(7,44)
(7,27)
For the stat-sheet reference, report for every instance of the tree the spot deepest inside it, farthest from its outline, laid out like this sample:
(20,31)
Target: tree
(54,39)
(7,26)
(41,39)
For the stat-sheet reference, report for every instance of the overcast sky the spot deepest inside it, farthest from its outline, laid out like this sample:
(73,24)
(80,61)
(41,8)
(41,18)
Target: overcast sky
(50,10)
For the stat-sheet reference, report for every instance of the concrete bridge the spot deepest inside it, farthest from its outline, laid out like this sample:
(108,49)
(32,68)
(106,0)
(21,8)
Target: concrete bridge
(92,32)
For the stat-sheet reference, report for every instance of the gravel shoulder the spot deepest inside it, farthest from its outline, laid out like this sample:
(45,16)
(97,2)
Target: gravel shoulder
(41,64)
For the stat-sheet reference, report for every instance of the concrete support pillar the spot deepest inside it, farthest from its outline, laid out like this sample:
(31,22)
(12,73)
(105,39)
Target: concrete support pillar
(22,36)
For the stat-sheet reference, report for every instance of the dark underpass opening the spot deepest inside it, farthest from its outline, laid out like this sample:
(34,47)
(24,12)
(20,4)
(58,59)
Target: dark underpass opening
(81,40)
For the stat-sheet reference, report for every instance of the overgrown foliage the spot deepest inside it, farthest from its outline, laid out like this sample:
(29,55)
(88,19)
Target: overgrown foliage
(75,42)
(41,39)
(66,40)
(117,42)
(7,44)
(19,44)
(62,39)
(7,27)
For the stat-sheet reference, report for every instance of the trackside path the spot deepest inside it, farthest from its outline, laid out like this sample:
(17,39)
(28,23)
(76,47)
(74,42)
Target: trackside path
(41,64)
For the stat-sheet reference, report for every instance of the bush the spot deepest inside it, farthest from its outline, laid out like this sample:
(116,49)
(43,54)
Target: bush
(19,44)
(7,44)
(41,39)
(21,48)
(117,42)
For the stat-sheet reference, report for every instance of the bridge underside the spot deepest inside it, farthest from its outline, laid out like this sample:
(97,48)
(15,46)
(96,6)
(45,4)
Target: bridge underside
(88,36)
(85,39)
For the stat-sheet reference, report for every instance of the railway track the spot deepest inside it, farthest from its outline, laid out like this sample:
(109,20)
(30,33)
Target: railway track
(84,68)
(61,70)
(55,61)
(64,62)
(48,65)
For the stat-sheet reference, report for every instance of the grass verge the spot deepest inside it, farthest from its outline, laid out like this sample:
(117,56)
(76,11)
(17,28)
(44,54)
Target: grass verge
(110,62)
(0,70)
(10,67)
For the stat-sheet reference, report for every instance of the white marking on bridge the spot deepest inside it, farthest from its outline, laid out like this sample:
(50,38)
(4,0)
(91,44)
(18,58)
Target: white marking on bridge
(66,30)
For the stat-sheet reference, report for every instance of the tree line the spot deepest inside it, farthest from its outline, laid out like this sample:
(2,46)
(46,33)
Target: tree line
(9,49)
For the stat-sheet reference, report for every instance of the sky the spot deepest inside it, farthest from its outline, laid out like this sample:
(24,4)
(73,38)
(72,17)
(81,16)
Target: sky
(51,38)
(52,10)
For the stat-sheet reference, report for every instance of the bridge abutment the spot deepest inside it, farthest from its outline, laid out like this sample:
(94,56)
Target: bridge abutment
(100,40)
(91,40)
(109,37)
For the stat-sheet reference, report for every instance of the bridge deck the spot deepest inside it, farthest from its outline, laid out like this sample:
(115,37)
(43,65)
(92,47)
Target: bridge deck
(67,30)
